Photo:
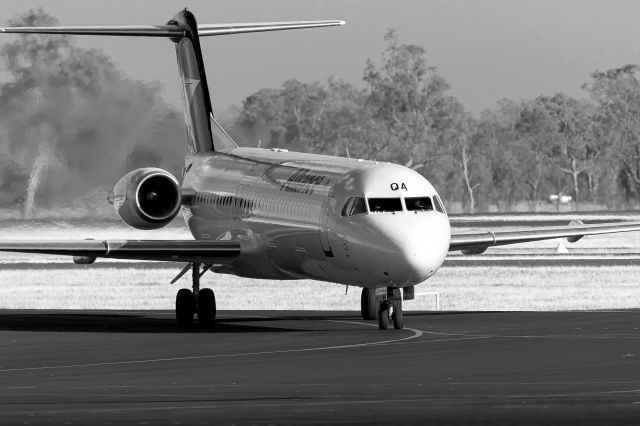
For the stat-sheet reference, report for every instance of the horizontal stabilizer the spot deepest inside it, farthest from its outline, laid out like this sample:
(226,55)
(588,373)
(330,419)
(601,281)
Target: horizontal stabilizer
(130,30)
(226,29)
(170,30)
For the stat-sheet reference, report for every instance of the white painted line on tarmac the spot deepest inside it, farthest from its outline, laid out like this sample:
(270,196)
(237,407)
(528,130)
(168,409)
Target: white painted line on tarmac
(152,313)
(467,336)
(416,334)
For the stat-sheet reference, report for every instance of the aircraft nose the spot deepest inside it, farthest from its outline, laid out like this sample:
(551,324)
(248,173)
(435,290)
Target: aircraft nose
(419,245)
(415,257)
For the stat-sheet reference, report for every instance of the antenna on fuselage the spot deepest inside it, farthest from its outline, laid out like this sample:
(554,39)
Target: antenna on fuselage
(348,156)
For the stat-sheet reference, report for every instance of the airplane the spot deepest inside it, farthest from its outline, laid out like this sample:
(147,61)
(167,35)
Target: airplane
(268,213)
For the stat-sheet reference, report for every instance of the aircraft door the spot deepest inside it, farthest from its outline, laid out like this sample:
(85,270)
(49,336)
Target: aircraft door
(325,213)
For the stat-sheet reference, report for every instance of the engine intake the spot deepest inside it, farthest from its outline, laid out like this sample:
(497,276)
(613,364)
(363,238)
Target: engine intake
(147,198)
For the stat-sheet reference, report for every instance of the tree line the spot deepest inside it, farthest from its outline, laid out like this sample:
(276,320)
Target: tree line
(71,123)
(513,156)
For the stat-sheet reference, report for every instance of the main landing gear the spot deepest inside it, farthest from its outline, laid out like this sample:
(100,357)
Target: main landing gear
(202,302)
(383,304)
(369,304)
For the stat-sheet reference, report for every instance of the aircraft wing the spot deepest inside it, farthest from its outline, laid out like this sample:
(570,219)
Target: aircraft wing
(478,242)
(217,252)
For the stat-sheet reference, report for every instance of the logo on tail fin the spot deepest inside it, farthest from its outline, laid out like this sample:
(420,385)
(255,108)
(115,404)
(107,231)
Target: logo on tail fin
(190,86)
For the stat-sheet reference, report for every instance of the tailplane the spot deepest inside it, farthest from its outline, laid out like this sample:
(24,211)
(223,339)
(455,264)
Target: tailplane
(203,132)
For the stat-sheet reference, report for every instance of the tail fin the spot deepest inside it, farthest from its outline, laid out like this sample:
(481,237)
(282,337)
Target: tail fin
(203,132)
(195,91)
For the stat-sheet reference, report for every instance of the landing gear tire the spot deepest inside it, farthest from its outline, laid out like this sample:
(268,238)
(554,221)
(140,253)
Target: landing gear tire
(185,307)
(369,304)
(206,307)
(397,317)
(392,303)
(383,316)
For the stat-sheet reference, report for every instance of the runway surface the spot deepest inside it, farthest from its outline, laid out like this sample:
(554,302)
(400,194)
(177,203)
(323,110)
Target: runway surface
(79,367)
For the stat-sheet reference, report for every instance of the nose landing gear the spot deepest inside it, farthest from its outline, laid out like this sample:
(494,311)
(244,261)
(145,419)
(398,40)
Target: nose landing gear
(202,302)
(391,310)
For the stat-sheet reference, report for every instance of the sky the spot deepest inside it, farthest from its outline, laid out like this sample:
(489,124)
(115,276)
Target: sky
(486,49)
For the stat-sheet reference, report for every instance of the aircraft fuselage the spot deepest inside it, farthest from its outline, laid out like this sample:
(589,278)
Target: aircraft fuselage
(321,217)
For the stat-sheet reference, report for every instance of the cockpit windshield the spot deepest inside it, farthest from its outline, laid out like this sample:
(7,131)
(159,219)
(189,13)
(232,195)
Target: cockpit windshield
(385,205)
(419,204)
(357,205)
(439,206)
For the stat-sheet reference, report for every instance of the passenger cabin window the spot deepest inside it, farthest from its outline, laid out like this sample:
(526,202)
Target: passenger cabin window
(439,206)
(422,204)
(354,206)
(385,205)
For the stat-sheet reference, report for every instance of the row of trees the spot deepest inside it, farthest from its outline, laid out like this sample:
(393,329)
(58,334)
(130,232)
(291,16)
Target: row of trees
(512,156)
(71,122)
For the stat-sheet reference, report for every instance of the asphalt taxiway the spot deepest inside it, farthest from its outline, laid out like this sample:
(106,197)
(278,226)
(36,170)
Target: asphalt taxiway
(107,367)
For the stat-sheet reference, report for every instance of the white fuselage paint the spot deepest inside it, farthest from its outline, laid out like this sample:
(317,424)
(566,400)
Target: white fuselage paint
(285,210)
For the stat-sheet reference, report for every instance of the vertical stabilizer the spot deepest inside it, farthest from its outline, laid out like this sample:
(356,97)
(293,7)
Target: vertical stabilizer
(195,91)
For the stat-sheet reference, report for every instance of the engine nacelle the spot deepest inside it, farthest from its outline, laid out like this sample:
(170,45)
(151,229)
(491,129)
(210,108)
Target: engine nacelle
(147,198)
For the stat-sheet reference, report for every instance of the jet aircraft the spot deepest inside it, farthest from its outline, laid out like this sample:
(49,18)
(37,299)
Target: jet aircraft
(275,214)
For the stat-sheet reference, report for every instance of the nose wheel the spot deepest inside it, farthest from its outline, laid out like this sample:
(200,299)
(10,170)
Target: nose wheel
(391,310)
(200,302)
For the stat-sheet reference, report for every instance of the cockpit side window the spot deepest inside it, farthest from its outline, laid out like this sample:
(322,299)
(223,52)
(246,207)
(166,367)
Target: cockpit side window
(359,206)
(385,205)
(354,206)
(346,210)
(419,204)
(439,206)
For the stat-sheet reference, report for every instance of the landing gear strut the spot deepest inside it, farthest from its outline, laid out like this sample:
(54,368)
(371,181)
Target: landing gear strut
(202,302)
(391,310)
